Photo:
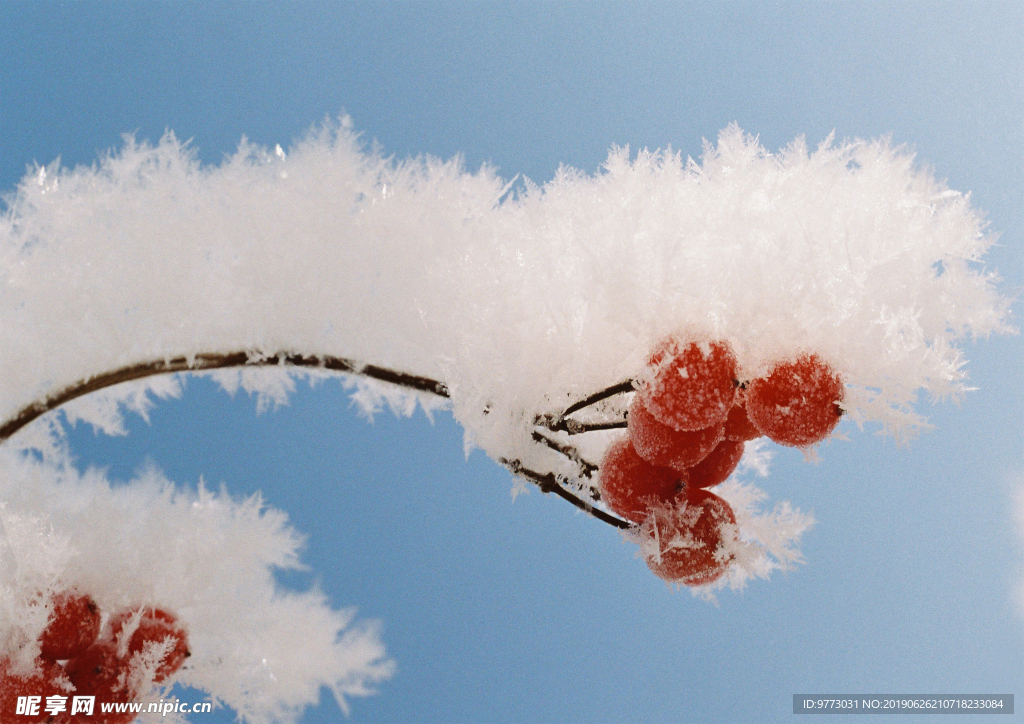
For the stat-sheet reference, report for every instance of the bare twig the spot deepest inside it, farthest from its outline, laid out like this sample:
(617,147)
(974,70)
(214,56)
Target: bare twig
(625,386)
(214,361)
(576,428)
(563,423)
(587,469)
(548,483)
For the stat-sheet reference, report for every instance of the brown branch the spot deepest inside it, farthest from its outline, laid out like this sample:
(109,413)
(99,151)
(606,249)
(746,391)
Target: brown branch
(563,423)
(576,428)
(548,483)
(203,362)
(587,469)
(625,386)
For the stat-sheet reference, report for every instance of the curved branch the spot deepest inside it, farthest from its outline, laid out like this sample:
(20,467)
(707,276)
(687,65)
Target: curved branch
(212,361)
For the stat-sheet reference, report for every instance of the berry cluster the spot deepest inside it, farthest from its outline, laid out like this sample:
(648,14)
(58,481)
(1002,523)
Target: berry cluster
(688,424)
(137,647)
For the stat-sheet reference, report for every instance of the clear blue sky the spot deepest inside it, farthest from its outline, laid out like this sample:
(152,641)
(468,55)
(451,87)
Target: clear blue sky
(528,612)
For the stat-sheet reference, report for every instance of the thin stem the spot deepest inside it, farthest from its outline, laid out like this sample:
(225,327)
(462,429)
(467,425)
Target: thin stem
(576,428)
(563,423)
(625,386)
(548,483)
(214,361)
(587,469)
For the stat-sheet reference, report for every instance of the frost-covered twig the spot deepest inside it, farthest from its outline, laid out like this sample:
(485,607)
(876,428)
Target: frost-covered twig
(213,361)
(563,423)
(587,468)
(551,483)
(625,386)
(203,362)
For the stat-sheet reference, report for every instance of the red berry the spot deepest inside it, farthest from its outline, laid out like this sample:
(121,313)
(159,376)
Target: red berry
(693,539)
(717,466)
(738,425)
(74,624)
(665,446)
(100,672)
(98,664)
(631,486)
(797,404)
(155,627)
(692,386)
(47,680)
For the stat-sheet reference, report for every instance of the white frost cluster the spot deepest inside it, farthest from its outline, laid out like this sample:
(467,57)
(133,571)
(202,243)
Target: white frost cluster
(207,558)
(518,299)
(521,299)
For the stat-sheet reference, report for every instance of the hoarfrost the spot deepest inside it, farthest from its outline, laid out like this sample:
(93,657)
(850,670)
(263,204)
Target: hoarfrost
(261,650)
(104,409)
(520,300)
(512,299)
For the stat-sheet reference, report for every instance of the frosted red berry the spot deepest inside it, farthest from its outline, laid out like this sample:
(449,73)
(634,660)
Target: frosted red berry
(155,626)
(665,446)
(717,466)
(738,425)
(47,680)
(797,403)
(73,626)
(630,486)
(691,385)
(691,540)
(100,672)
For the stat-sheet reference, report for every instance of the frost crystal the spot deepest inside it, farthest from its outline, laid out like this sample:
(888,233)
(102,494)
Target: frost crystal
(263,651)
(519,299)
(512,300)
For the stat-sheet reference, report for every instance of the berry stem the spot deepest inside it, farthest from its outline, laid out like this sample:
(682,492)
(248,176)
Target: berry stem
(548,482)
(624,386)
(587,469)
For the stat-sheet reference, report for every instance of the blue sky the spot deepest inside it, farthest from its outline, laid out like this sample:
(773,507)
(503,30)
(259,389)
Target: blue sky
(529,612)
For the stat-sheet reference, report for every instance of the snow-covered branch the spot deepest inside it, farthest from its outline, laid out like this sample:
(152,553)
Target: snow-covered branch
(525,307)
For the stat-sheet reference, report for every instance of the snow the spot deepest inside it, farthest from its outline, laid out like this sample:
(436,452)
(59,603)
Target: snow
(521,299)
(517,298)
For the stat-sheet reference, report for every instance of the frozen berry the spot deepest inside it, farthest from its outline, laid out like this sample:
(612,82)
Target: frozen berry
(692,385)
(665,446)
(100,672)
(97,668)
(73,626)
(155,626)
(717,466)
(738,425)
(691,541)
(797,404)
(47,680)
(631,486)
